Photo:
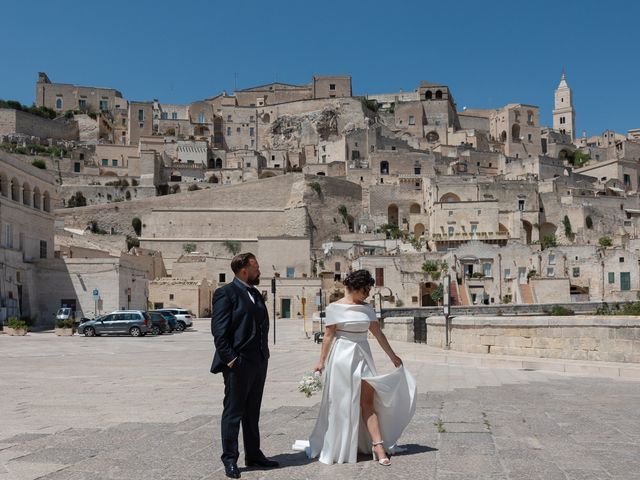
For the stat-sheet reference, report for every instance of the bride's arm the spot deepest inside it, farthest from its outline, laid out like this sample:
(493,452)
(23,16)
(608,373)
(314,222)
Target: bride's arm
(327,339)
(374,328)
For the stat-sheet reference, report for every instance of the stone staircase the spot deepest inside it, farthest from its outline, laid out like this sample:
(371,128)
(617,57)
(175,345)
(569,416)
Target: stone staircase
(527,293)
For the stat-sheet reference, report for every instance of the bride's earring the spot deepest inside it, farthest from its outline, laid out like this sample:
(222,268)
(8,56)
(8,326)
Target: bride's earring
(384,461)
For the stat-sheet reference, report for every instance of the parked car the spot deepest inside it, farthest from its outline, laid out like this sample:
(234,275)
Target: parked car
(183,316)
(159,323)
(172,321)
(64,313)
(133,322)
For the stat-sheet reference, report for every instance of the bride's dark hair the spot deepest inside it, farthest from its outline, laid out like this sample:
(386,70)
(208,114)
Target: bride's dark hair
(358,280)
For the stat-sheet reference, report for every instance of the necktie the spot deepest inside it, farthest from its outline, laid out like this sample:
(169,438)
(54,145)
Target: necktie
(255,294)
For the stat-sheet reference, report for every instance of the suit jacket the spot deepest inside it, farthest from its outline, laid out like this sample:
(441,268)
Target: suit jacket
(236,324)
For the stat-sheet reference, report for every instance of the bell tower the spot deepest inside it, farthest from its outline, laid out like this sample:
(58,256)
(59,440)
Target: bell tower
(564,116)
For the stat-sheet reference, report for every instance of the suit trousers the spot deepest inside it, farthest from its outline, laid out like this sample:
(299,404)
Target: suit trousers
(243,388)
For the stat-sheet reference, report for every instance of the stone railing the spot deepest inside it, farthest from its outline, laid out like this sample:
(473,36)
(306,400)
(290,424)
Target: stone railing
(599,338)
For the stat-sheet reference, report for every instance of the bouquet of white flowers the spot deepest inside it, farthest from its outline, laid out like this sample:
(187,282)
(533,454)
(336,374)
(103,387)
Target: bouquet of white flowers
(311,383)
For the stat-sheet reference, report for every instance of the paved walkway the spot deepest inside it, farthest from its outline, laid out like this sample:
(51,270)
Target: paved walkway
(146,408)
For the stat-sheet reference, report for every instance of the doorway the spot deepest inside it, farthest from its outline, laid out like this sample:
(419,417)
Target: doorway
(285,307)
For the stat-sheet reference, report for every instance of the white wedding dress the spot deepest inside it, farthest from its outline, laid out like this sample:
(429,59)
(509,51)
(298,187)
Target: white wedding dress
(339,432)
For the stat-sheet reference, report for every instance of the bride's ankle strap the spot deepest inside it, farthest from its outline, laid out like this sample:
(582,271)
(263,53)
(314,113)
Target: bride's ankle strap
(377,443)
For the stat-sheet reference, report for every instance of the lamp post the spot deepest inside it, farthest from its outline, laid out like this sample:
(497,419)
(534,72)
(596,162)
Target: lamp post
(446,302)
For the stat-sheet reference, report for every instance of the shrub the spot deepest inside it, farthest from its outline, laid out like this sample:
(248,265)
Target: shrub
(95,228)
(532,273)
(342,210)
(579,159)
(370,104)
(438,294)
(16,323)
(193,187)
(316,187)
(134,182)
(136,223)
(39,163)
(189,247)
(66,323)
(549,241)
(605,241)
(132,242)
(175,188)
(560,311)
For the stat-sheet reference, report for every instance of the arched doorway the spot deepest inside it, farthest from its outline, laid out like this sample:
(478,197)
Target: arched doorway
(37,199)
(351,223)
(26,194)
(418,230)
(46,202)
(428,95)
(218,163)
(384,168)
(425,294)
(515,132)
(547,229)
(392,214)
(503,136)
(528,228)
(15,190)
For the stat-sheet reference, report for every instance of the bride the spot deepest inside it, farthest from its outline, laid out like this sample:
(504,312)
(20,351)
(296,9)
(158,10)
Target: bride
(360,411)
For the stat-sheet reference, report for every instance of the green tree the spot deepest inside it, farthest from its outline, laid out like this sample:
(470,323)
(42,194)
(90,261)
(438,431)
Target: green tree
(136,223)
(189,247)
(568,232)
(438,294)
(549,241)
(39,163)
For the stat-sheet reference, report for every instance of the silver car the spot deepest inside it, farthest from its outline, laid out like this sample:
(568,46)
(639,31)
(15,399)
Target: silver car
(132,322)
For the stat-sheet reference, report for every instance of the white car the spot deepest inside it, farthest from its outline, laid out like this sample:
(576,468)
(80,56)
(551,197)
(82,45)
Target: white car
(183,316)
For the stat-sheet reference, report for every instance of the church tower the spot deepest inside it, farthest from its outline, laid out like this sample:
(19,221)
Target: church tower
(564,116)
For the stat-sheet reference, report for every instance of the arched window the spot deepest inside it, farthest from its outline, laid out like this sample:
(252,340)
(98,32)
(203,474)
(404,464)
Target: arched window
(515,132)
(438,94)
(503,136)
(433,136)
(218,163)
(428,95)
(46,202)
(384,168)
(449,197)
(414,208)
(59,103)
(37,199)
(530,117)
(4,185)
(15,190)
(26,194)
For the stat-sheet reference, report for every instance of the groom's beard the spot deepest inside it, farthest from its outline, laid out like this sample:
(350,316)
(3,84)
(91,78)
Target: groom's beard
(253,281)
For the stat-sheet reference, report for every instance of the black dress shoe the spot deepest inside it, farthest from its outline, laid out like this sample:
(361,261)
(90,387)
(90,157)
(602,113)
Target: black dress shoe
(231,470)
(262,462)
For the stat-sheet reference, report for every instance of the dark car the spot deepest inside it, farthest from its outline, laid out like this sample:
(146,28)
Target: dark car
(133,322)
(159,323)
(171,319)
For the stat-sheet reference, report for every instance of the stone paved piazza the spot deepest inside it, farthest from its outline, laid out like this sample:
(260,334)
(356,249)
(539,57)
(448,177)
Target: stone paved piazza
(147,408)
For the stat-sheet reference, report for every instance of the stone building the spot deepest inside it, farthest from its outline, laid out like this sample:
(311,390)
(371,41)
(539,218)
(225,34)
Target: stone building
(27,198)
(564,115)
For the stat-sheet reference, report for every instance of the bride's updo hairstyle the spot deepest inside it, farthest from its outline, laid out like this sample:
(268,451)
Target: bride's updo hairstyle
(359,280)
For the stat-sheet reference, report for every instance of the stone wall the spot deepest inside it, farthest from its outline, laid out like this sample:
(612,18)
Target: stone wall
(15,121)
(612,339)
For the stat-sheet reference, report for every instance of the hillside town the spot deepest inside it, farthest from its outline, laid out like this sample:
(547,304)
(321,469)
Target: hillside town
(113,203)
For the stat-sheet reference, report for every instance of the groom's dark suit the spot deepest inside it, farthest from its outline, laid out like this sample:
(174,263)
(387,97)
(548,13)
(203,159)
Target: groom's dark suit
(240,328)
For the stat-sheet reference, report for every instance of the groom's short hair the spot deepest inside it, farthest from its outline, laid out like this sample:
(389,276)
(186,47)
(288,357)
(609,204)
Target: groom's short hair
(240,261)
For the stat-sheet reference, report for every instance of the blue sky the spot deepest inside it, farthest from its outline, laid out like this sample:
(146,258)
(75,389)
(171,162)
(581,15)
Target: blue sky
(489,53)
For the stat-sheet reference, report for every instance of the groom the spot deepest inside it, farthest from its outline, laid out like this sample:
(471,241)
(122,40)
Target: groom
(240,327)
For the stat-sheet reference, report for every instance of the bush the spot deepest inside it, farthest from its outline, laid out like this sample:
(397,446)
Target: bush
(568,232)
(134,182)
(316,187)
(560,311)
(370,104)
(189,247)
(16,323)
(95,228)
(132,242)
(342,210)
(193,187)
(605,241)
(438,294)
(66,323)
(136,223)
(579,159)
(43,112)
(39,163)
(549,241)
(175,188)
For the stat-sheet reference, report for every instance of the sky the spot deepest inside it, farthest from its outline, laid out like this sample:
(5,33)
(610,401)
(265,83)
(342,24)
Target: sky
(489,53)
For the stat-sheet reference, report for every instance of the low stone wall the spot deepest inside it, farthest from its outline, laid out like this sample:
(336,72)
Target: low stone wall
(614,339)
(599,338)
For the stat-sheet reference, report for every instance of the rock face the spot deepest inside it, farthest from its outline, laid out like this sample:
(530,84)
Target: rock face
(88,128)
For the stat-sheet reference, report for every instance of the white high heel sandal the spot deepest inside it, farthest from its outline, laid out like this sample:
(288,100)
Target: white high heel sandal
(384,461)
